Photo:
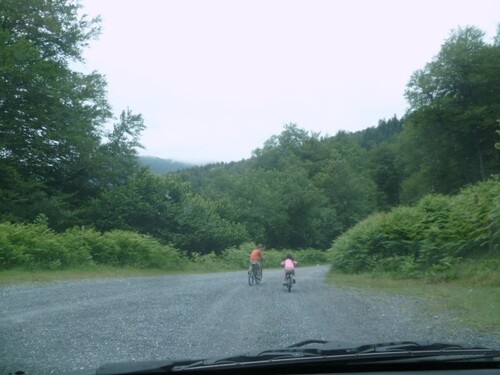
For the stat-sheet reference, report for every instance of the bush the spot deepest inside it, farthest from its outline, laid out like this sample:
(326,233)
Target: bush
(123,248)
(31,246)
(34,246)
(237,257)
(309,257)
(432,237)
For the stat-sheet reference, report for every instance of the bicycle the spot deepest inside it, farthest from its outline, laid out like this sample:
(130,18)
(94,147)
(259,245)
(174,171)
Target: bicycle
(254,274)
(289,282)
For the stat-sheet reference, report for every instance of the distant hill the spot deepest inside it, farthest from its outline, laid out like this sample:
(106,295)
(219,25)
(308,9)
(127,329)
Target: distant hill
(161,166)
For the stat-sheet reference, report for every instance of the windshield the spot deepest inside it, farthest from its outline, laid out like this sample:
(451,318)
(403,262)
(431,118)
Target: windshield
(187,180)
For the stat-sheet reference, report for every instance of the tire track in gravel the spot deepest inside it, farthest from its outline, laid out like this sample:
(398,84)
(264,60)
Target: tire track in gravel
(72,325)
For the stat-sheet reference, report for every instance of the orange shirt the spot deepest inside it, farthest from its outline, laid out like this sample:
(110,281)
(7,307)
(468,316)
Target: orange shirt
(256,254)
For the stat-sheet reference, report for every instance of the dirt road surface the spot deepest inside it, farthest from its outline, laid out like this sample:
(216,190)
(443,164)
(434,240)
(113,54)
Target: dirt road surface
(78,325)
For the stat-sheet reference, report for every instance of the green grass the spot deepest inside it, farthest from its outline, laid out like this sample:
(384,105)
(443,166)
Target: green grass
(19,276)
(23,276)
(475,304)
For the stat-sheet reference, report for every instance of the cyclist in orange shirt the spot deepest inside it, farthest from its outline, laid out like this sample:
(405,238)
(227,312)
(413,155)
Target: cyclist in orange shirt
(256,256)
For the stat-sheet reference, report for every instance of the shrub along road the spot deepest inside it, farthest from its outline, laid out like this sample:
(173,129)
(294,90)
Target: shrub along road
(71,325)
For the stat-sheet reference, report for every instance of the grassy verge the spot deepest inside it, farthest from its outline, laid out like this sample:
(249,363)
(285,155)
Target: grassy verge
(476,305)
(17,276)
(23,276)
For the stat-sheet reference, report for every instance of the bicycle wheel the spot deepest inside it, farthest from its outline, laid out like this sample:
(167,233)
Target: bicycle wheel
(258,275)
(250,277)
(289,282)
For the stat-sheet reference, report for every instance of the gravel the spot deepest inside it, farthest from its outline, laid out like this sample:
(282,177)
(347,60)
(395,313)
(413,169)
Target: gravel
(69,326)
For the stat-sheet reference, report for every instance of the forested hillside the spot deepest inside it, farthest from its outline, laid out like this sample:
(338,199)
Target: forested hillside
(160,166)
(298,190)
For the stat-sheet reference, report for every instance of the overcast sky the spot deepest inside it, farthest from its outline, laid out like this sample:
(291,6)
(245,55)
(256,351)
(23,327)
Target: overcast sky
(214,79)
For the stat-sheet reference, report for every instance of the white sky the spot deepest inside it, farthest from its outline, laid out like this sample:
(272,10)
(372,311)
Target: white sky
(214,79)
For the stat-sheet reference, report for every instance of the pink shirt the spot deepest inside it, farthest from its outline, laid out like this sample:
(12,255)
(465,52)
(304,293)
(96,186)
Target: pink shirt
(289,264)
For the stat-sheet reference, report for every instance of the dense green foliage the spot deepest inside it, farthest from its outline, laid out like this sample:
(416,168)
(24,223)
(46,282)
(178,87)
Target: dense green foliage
(49,115)
(300,190)
(429,237)
(54,152)
(35,246)
(455,106)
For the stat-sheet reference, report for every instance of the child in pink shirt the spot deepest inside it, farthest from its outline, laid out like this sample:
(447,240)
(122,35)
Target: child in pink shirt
(289,265)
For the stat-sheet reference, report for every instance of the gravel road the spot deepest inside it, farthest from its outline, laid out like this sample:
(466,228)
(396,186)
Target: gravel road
(71,325)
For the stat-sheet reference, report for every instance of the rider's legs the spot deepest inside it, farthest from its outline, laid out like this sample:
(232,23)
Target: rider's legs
(254,262)
(289,271)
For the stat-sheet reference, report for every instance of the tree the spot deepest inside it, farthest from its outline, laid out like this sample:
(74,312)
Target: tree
(144,203)
(285,149)
(454,103)
(117,157)
(50,116)
(497,144)
(203,230)
(386,174)
(351,194)
(386,131)
(283,208)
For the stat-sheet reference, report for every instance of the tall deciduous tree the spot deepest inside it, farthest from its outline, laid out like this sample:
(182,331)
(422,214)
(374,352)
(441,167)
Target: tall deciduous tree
(454,103)
(118,156)
(50,116)
(145,203)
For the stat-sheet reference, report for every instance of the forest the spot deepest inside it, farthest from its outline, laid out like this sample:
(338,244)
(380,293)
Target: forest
(62,173)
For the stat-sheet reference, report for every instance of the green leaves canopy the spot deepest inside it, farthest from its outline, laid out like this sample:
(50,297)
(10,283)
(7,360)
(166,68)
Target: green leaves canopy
(455,101)
(50,116)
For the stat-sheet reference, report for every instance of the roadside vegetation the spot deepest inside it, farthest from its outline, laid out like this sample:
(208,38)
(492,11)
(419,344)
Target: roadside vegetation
(429,239)
(444,250)
(32,252)
(463,302)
